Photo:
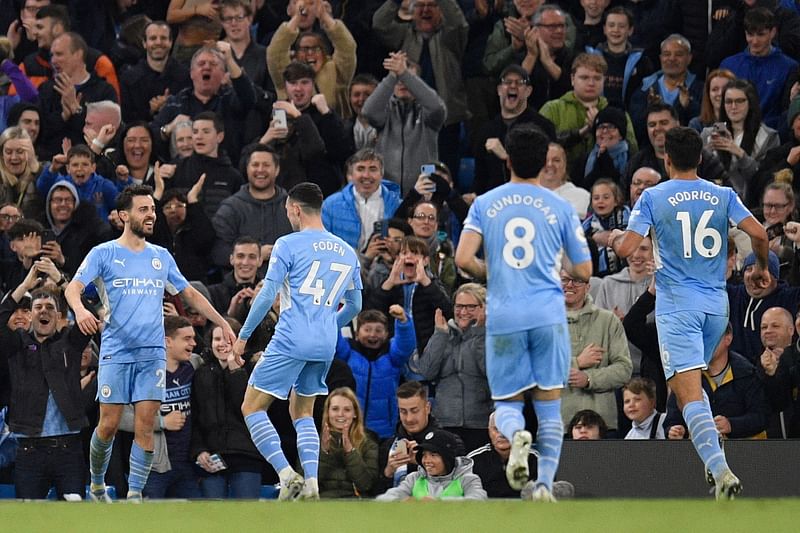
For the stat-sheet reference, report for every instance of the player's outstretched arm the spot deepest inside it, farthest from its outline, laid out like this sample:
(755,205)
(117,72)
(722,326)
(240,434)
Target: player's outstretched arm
(86,321)
(197,301)
(466,255)
(352,306)
(624,243)
(258,310)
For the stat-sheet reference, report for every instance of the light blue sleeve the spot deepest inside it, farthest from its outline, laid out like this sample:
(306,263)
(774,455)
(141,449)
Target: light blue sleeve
(91,268)
(473,220)
(642,215)
(176,280)
(259,308)
(574,238)
(737,212)
(351,307)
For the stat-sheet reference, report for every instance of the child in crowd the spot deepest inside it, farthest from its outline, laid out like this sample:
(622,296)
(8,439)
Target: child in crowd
(587,425)
(443,473)
(608,212)
(639,405)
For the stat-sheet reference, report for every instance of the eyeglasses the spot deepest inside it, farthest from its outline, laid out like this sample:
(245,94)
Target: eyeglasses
(514,83)
(309,49)
(59,201)
(642,183)
(775,207)
(735,101)
(552,27)
(173,207)
(420,6)
(10,218)
(422,217)
(465,307)
(575,282)
(606,127)
(234,18)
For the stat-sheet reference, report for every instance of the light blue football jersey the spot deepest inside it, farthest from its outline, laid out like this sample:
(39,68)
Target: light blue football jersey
(314,268)
(688,221)
(526,229)
(131,287)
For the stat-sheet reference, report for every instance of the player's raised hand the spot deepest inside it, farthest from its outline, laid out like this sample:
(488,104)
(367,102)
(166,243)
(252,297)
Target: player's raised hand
(86,322)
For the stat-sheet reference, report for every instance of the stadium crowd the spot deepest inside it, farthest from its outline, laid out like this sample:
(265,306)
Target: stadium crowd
(398,110)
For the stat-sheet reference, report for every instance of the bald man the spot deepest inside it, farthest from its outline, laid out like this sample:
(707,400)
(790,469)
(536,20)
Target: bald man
(779,363)
(642,179)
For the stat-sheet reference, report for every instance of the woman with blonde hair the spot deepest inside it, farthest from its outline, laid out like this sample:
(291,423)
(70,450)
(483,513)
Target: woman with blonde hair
(18,171)
(348,462)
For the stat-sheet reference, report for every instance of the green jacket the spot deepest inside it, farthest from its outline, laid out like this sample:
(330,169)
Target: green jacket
(348,475)
(568,115)
(594,325)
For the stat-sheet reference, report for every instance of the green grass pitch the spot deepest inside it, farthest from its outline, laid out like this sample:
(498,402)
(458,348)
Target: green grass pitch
(674,516)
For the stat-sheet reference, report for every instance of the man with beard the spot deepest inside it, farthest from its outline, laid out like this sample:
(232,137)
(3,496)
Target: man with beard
(146,86)
(132,276)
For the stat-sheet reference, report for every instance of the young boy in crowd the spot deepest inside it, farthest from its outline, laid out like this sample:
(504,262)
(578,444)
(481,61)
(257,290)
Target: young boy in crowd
(639,405)
(444,473)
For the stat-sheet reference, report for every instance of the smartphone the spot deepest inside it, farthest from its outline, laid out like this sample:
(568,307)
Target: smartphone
(401,448)
(775,230)
(382,228)
(720,128)
(48,236)
(279,116)
(429,170)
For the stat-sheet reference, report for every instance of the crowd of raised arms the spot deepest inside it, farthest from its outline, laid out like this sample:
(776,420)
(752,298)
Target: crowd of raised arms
(398,112)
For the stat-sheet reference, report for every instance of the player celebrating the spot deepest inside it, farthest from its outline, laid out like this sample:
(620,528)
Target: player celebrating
(687,218)
(524,229)
(313,269)
(131,276)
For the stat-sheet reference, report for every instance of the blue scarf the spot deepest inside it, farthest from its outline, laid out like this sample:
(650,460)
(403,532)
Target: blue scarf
(618,154)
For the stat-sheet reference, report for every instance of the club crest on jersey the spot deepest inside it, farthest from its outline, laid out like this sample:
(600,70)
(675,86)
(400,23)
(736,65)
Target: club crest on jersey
(156,262)
(105,391)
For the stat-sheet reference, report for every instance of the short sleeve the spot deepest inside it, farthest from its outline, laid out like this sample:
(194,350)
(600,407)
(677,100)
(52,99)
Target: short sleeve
(737,212)
(642,215)
(176,282)
(574,238)
(473,220)
(92,266)
(279,262)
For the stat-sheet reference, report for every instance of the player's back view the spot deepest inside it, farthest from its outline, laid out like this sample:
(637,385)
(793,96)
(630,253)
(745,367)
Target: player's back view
(688,220)
(525,231)
(313,269)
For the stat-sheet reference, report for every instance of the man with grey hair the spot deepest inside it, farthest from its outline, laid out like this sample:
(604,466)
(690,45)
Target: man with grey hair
(210,91)
(673,84)
(547,57)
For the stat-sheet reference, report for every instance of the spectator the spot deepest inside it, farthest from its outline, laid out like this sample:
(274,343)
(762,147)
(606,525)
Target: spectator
(381,252)
(609,212)
(257,209)
(18,170)
(377,363)
(238,285)
(411,285)
(574,113)
(27,117)
(444,473)
(357,127)
(589,31)
(554,177)
(513,90)
(198,22)
(231,102)
(209,159)
(13,77)
(735,393)
(147,85)
(610,153)
(180,481)
(398,453)
(627,66)
(25,241)
(424,221)
(101,133)
(762,63)
(661,118)
(348,464)
(135,160)
(332,71)
(368,198)
(673,85)
(649,20)
(643,178)
(408,115)
(712,98)
(237,21)
(46,407)
(92,188)
(587,425)
(180,141)
(218,428)
(778,370)
(601,362)
(506,44)
(63,98)
(10,214)
(76,226)
(22,30)
(639,404)
(547,56)
(749,301)
(785,156)
(745,139)
(455,360)
(435,40)
(778,208)
(183,228)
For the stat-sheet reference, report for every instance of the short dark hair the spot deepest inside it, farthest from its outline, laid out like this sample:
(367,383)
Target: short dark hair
(246,239)
(57,12)
(423,201)
(372,315)
(219,124)
(251,149)
(658,107)
(80,150)
(125,198)
(235,325)
(759,18)
(174,323)
(644,386)
(527,146)
(619,10)
(173,194)
(410,389)
(684,147)
(44,294)
(24,226)
(587,417)
(159,23)
(298,71)
(363,79)
(308,195)
(16,111)
(364,154)
(400,224)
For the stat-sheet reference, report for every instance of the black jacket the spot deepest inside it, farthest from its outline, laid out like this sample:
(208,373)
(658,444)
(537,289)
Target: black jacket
(37,369)
(221,293)
(644,336)
(84,231)
(140,83)
(489,466)
(191,242)
(222,179)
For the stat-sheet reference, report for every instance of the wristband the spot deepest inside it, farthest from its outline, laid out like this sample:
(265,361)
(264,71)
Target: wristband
(98,144)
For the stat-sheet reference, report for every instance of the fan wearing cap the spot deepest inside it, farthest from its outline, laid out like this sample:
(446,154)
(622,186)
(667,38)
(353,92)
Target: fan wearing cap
(610,154)
(444,473)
